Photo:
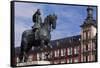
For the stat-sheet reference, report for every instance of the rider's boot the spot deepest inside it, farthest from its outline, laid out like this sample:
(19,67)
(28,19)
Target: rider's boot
(36,34)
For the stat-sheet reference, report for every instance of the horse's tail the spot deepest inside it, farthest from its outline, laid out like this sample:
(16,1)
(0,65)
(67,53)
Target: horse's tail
(21,48)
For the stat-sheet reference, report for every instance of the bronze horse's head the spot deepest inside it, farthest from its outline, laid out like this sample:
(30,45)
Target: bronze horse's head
(50,21)
(53,18)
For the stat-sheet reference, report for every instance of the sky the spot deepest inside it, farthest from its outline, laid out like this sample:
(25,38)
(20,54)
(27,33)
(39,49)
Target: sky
(70,17)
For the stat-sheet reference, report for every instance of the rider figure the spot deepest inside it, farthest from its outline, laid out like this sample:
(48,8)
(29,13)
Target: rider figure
(37,23)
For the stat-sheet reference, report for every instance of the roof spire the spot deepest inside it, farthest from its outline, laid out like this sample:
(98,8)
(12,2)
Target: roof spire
(89,19)
(89,12)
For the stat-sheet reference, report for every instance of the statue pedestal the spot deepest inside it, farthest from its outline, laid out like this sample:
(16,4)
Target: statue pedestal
(33,63)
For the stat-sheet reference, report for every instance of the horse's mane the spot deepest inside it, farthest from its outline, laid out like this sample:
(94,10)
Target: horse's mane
(47,19)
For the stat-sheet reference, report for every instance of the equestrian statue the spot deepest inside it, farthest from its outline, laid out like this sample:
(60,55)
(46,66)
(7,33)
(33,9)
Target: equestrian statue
(39,36)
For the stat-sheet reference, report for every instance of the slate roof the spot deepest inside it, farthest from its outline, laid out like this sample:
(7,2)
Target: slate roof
(62,43)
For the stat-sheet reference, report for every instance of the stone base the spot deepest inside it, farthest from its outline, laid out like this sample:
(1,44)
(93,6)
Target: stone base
(33,63)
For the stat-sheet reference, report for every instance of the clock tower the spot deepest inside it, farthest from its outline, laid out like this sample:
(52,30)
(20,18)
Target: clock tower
(88,37)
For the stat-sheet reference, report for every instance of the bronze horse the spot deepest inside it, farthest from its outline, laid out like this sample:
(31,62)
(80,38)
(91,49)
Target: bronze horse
(28,38)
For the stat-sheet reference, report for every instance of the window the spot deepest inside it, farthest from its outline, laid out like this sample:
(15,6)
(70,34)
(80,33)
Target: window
(84,58)
(89,46)
(89,35)
(94,46)
(63,61)
(37,56)
(65,52)
(17,59)
(62,52)
(51,54)
(69,60)
(58,53)
(84,35)
(69,50)
(93,58)
(43,56)
(76,59)
(89,57)
(84,48)
(76,50)
(56,62)
(40,56)
(55,53)
(81,58)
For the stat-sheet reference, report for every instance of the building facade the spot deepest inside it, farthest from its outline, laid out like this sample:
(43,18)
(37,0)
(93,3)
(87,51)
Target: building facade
(88,37)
